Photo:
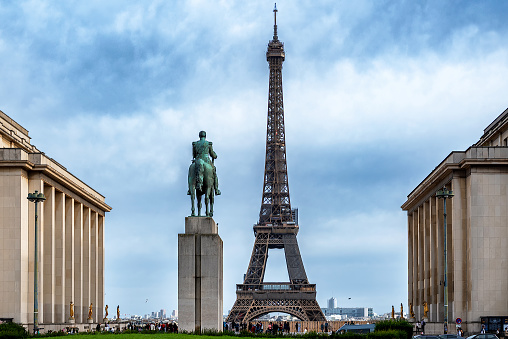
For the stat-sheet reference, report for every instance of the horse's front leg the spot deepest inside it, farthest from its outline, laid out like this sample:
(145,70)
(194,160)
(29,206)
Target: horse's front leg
(212,198)
(192,197)
(207,201)
(199,204)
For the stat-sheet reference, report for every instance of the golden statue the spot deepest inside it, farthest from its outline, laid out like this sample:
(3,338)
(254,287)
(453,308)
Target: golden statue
(411,310)
(106,310)
(401,311)
(393,312)
(425,309)
(118,312)
(90,311)
(71,310)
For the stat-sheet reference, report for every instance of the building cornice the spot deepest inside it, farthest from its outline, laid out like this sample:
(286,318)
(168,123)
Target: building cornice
(495,127)
(456,161)
(13,132)
(38,162)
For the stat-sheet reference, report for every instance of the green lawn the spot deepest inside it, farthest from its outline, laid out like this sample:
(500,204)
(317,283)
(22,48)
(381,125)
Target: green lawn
(155,335)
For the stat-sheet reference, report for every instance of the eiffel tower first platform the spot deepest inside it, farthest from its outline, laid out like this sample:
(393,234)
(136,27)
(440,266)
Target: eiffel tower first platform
(277,227)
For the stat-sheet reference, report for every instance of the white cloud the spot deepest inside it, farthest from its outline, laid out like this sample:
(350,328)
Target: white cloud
(116,91)
(410,98)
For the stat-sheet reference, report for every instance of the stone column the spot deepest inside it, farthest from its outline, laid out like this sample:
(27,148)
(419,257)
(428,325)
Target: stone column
(440,257)
(100,263)
(78,262)
(69,255)
(450,253)
(459,247)
(86,262)
(48,257)
(434,254)
(427,249)
(59,257)
(200,274)
(24,243)
(415,295)
(421,258)
(93,267)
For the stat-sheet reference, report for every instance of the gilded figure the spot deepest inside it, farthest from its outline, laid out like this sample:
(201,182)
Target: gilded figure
(71,310)
(106,311)
(401,311)
(90,311)
(411,310)
(425,309)
(118,312)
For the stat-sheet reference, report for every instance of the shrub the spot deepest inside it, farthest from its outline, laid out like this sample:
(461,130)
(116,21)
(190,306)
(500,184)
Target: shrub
(12,330)
(350,335)
(390,334)
(395,324)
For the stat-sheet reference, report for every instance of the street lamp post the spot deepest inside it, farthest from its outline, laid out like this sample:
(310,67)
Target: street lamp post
(36,198)
(444,194)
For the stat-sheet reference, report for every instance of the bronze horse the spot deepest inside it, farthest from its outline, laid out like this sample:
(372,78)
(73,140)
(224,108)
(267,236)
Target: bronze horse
(201,182)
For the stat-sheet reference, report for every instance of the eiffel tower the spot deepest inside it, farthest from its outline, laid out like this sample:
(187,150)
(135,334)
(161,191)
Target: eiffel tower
(277,226)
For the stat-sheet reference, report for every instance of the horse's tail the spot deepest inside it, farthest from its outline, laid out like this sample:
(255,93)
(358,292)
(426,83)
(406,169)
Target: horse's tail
(191,177)
(198,168)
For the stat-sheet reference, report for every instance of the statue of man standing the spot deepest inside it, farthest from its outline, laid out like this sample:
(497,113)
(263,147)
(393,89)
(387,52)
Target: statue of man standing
(203,150)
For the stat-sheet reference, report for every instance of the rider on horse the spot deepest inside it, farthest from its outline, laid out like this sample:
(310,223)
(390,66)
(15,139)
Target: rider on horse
(201,152)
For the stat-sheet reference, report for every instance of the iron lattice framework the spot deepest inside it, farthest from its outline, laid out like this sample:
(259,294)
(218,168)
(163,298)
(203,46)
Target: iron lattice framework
(275,204)
(276,227)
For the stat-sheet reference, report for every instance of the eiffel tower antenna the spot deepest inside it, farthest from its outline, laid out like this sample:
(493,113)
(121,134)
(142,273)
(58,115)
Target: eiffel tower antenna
(277,227)
(275,22)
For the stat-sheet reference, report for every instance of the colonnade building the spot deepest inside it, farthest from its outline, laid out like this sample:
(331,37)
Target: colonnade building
(71,236)
(477,235)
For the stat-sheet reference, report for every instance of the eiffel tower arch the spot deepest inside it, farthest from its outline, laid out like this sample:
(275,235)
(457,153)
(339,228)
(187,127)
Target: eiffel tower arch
(277,227)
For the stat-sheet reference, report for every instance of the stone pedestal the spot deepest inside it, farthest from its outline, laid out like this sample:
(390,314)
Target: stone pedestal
(71,321)
(90,321)
(200,271)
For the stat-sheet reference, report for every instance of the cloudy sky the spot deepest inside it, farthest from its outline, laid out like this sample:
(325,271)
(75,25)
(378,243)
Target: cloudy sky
(376,94)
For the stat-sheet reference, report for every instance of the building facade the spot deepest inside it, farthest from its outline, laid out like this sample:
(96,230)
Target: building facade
(477,234)
(71,236)
(349,312)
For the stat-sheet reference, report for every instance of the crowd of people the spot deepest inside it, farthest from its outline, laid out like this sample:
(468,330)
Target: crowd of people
(159,327)
(273,327)
(139,327)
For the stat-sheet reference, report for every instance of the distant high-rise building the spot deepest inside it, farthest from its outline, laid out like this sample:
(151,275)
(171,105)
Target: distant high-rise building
(163,313)
(174,313)
(332,303)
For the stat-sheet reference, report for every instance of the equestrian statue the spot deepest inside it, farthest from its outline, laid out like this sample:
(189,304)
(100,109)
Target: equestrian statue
(203,175)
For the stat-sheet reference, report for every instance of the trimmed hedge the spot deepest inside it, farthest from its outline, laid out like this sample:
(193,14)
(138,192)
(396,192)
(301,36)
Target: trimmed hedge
(390,334)
(395,324)
(12,331)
